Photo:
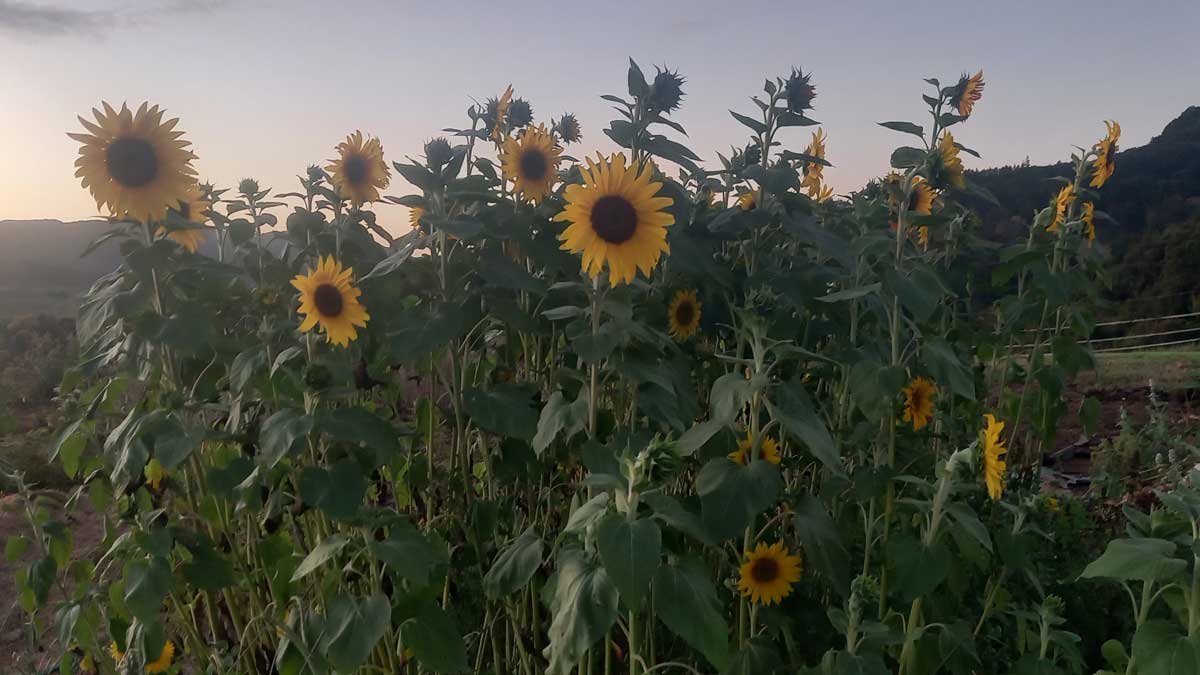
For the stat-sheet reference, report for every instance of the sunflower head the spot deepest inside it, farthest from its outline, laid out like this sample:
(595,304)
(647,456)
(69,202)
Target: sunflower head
(813,173)
(767,452)
(1062,204)
(193,209)
(923,236)
(134,164)
(947,167)
(438,153)
(359,172)
(616,219)
(248,187)
(683,316)
(328,298)
(158,665)
(1089,222)
(1105,163)
(994,464)
(768,573)
(967,92)
(800,91)
(567,128)
(747,201)
(530,161)
(520,114)
(918,402)
(414,216)
(495,114)
(666,92)
(920,200)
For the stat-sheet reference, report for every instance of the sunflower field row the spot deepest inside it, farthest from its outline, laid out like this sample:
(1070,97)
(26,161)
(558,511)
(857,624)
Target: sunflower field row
(627,412)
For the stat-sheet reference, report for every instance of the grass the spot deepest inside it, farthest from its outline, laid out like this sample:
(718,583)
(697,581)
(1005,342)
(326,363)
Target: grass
(26,453)
(1169,369)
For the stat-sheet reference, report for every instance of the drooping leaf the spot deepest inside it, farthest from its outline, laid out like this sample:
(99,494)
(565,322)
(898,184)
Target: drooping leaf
(584,608)
(515,566)
(686,601)
(630,551)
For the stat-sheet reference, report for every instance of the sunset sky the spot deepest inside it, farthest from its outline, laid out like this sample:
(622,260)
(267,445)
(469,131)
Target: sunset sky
(264,88)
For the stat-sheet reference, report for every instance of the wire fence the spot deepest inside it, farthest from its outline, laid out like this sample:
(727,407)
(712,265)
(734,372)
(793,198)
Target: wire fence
(1113,344)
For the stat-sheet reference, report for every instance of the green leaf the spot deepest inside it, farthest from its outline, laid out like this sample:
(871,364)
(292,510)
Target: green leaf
(559,416)
(947,368)
(795,410)
(732,495)
(851,293)
(729,395)
(695,438)
(147,582)
(906,158)
(505,410)
(671,512)
(964,516)
(1159,648)
(822,545)
(15,547)
(435,640)
(208,570)
(754,125)
(905,127)
(363,428)
(281,434)
(338,492)
(515,566)
(352,628)
(756,657)
(587,514)
(1089,414)
(919,569)
(630,551)
(916,292)
(584,607)
(686,601)
(408,553)
(320,555)
(391,263)
(1141,559)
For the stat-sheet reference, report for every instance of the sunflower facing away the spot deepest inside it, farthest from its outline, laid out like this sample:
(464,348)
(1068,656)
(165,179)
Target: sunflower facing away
(920,200)
(328,298)
(1062,203)
(918,402)
(159,665)
(498,113)
(414,216)
(1105,163)
(531,163)
(993,464)
(1089,222)
(768,452)
(616,219)
(359,172)
(767,575)
(192,208)
(684,315)
(134,164)
(747,201)
(968,91)
(948,165)
(814,172)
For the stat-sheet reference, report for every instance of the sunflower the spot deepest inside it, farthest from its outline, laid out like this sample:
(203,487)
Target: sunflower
(328,298)
(918,402)
(193,208)
(359,173)
(1089,222)
(814,172)
(1106,155)
(823,193)
(923,236)
(1062,203)
(993,465)
(948,166)
(684,315)
(135,164)
(920,199)
(531,163)
(616,219)
(497,114)
(159,665)
(768,452)
(747,201)
(567,128)
(414,216)
(767,575)
(966,93)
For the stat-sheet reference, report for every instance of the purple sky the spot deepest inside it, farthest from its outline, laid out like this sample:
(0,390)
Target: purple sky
(264,88)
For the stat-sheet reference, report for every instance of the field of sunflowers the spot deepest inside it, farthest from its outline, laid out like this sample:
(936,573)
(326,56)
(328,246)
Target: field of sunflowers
(625,413)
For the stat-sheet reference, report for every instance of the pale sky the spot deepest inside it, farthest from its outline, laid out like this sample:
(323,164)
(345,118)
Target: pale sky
(264,88)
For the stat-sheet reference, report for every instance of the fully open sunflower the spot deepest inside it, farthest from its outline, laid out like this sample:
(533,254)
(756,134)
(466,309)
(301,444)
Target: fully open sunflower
(947,165)
(966,93)
(1089,222)
(684,315)
(158,665)
(1105,163)
(531,163)
(1062,204)
(918,402)
(768,451)
(359,172)
(616,219)
(767,575)
(329,299)
(134,164)
(994,465)
(193,208)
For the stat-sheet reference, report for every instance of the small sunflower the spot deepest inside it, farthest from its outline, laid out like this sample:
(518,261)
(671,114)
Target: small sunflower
(768,452)
(328,298)
(568,129)
(531,163)
(683,316)
(800,91)
(414,216)
(747,201)
(1062,203)
(134,164)
(948,166)
(1089,222)
(918,402)
(993,465)
(767,575)
(1105,163)
(966,93)
(193,208)
(159,665)
(359,173)
(1052,505)
(616,219)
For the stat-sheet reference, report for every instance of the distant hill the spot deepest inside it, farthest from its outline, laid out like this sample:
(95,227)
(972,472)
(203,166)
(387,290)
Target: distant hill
(41,270)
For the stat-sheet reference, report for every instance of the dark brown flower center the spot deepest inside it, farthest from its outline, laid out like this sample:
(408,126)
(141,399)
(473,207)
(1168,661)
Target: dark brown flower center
(765,570)
(355,169)
(614,219)
(684,313)
(328,300)
(534,165)
(131,162)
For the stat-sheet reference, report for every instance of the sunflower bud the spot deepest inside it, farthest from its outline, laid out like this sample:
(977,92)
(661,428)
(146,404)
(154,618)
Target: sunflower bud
(248,186)
(567,128)
(520,114)
(438,152)
(800,92)
(316,173)
(666,93)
